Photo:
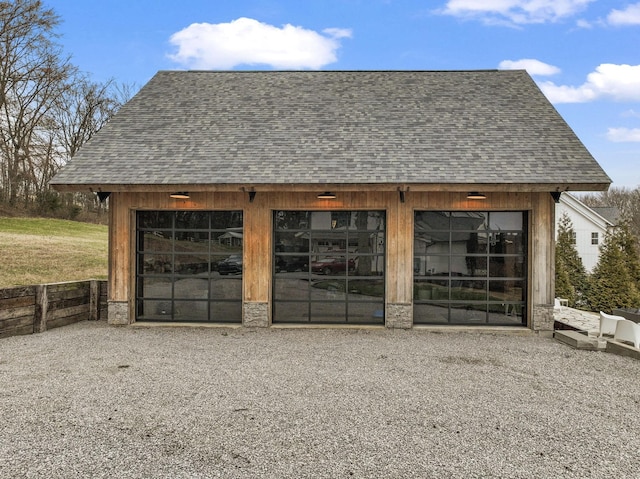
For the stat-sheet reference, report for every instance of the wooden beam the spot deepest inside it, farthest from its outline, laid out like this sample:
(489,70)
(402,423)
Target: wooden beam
(337,187)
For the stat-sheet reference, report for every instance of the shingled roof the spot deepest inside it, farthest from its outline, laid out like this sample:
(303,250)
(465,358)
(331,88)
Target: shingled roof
(265,128)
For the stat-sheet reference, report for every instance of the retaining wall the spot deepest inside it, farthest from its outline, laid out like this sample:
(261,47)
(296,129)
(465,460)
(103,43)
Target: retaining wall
(34,309)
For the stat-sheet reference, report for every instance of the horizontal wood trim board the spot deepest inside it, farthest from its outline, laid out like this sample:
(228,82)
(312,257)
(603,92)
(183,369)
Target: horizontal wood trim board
(56,304)
(17,312)
(9,293)
(17,321)
(68,291)
(319,187)
(16,331)
(67,294)
(66,320)
(73,311)
(17,302)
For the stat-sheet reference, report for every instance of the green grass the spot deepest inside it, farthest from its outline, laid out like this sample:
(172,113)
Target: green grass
(41,250)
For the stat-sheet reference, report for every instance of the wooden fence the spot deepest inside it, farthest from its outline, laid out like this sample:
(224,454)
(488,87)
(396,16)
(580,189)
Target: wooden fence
(34,309)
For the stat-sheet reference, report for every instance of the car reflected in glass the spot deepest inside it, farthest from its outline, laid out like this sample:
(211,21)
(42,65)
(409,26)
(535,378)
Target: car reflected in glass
(230,265)
(332,265)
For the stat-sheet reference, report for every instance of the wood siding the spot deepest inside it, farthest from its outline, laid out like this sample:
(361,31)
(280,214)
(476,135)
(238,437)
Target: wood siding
(399,254)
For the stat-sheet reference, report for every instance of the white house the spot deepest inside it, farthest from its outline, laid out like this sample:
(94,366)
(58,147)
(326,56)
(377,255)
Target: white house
(589,224)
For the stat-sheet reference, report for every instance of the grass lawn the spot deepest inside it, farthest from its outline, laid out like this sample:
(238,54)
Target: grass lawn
(42,250)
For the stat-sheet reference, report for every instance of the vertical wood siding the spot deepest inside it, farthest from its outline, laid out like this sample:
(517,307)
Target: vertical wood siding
(399,245)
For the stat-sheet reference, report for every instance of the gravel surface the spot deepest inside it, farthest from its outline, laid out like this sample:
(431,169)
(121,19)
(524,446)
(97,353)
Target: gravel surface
(89,400)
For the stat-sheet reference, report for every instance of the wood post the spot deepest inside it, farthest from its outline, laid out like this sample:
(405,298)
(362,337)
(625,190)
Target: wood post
(42,309)
(94,300)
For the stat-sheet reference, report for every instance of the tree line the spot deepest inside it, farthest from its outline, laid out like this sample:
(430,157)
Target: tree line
(615,280)
(48,110)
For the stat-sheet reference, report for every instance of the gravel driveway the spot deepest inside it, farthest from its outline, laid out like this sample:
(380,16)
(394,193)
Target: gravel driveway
(89,400)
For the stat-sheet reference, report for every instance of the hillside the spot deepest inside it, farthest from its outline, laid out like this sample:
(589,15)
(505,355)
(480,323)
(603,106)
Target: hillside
(41,250)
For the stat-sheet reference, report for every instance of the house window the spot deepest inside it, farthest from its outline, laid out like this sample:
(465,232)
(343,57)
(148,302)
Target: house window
(594,238)
(328,267)
(573,238)
(470,267)
(189,266)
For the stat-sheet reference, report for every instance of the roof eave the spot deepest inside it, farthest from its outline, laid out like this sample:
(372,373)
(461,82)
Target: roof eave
(302,187)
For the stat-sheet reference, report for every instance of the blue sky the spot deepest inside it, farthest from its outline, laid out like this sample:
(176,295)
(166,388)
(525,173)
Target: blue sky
(584,54)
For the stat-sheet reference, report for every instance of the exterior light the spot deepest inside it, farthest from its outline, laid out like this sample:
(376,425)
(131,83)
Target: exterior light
(180,195)
(327,196)
(474,195)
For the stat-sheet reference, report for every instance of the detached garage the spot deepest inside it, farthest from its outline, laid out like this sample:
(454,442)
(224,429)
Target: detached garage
(395,198)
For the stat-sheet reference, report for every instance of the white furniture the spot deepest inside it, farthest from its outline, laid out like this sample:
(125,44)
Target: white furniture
(608,323)
(628,331)
(558,303)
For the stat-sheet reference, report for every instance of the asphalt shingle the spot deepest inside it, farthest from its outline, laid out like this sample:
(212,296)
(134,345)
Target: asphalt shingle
(339,127)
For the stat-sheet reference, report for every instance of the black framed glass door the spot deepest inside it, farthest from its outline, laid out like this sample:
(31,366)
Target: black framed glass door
(329,267)
(189,266)
(470,267)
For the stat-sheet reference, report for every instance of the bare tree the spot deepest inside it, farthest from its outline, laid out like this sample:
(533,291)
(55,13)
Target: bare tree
(32,74)
(48,110)
(83,109)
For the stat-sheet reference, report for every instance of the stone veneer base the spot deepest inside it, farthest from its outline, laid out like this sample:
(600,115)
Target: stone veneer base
(542,317)
(255,315)
(399,316)
(118,312)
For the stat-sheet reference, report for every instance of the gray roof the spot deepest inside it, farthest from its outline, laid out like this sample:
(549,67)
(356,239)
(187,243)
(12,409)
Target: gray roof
(335,127)
(609,213)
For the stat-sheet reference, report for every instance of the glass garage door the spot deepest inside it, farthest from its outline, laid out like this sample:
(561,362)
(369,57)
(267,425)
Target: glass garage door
(329,267)
(189,266)
(470,267)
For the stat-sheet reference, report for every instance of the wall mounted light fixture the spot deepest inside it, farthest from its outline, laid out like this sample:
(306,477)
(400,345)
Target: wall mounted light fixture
(474,195)
(327,195)
(180,195)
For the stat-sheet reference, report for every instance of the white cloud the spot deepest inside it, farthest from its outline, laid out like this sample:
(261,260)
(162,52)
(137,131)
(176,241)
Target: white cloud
(533,67)
(246,41)
(619,135)
(515,11)
(338,32)
(630,114)
(566,94)
(615,82)
(582,23)
(628,16)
